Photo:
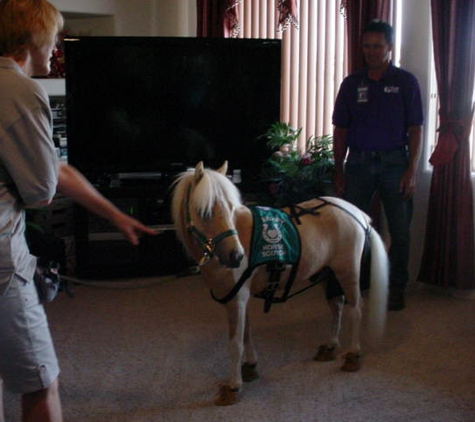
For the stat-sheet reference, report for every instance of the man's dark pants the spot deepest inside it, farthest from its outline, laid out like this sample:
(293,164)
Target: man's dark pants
(369,172)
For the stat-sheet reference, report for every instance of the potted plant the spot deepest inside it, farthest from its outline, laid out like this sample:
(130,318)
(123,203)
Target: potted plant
(293,175)
(281,136)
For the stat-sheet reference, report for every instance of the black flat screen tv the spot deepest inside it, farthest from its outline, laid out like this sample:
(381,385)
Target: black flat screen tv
(155,104)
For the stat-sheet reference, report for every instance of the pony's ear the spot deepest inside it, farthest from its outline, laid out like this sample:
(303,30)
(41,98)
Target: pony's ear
(223,169)
(199,169)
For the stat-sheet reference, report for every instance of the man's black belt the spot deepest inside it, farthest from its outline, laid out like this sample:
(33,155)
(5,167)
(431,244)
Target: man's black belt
(377,154)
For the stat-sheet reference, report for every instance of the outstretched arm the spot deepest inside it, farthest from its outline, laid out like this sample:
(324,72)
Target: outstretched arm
(74,185)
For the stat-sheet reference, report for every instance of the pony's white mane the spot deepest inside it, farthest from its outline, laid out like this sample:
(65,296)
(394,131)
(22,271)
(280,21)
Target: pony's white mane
(214,187)
(210,188)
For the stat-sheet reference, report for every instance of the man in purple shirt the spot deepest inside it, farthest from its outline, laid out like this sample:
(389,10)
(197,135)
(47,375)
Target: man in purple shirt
(377,129)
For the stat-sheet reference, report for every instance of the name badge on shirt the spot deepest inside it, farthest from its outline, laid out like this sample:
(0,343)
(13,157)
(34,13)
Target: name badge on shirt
(391,89)
(362,94)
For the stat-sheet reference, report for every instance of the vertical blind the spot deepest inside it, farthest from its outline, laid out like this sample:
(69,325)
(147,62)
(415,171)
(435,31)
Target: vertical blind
(313,59)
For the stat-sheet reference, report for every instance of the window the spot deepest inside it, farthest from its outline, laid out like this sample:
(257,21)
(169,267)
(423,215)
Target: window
(471,141)
(432,115)
(314,58)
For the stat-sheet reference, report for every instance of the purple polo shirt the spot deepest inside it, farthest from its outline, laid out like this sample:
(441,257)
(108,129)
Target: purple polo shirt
(377,114)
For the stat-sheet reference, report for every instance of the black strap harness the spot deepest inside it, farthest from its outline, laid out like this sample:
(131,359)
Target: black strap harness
(275,268)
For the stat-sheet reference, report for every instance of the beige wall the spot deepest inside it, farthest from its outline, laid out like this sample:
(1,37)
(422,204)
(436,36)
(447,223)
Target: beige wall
(101,7)
(172,18)
(130,18)
(175,18)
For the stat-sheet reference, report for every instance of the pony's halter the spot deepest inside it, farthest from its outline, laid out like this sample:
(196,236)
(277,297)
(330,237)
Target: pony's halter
(207,245)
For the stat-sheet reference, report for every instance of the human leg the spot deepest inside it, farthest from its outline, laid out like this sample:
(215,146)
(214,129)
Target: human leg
(398,211)
(28,363)
(398,224)
(399,218)
(361,175)
(42,405)
(2,415)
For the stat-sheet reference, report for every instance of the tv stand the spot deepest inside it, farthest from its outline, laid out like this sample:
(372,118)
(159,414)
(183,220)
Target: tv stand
(101,250)
(140,176)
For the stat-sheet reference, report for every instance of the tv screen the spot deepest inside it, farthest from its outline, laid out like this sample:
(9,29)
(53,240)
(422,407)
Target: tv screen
(154,104)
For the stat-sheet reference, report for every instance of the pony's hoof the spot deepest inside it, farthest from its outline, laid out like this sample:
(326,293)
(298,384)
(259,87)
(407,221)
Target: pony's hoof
(248,372)
(226,396)
(352,362)
(325,353)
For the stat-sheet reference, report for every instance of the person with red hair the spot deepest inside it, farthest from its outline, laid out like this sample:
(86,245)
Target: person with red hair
(30,175)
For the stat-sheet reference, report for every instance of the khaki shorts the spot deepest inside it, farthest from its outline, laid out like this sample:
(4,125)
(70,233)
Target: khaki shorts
(28,360)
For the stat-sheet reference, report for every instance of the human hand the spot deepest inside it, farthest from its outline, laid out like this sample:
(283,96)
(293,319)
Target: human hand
(131,228)
(339,184)
(408,183)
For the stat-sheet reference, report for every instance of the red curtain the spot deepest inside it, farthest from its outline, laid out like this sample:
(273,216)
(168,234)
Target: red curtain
(288,13)
(358,14)
(217,18)
(448,257)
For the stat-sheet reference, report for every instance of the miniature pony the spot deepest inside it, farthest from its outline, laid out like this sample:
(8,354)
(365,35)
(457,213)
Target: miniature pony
(216,229)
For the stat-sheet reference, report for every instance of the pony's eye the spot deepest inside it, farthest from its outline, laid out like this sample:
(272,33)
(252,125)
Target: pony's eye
(207,216)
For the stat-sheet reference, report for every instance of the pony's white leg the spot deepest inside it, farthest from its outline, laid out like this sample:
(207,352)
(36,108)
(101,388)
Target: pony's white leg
(236,319)
(236,312)
(352,358)
(336,307)
(251,354)
(327,352)
(348,277)
(355,316)
(248,371)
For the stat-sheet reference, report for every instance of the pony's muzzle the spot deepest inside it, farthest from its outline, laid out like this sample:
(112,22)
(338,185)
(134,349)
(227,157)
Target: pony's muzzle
(234,259)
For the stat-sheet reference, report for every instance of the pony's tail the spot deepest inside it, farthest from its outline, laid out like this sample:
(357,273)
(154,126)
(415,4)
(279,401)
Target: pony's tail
(378,293)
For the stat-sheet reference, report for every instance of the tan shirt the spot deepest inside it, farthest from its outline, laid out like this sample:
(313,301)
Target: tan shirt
(28,164)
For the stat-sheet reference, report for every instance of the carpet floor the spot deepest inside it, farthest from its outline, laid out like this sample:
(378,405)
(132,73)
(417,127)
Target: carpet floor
(156,350)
